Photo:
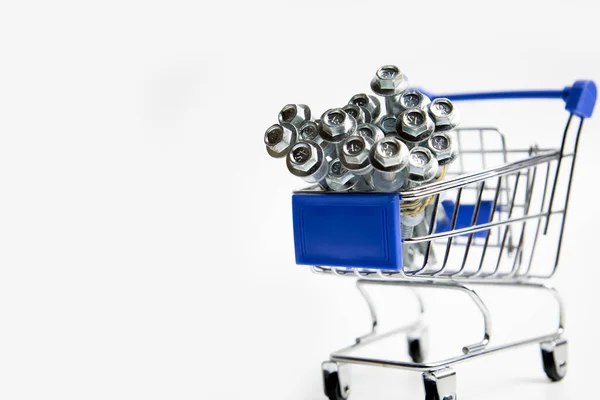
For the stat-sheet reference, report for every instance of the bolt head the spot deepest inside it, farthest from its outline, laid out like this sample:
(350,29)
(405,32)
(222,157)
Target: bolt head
(414,125)
(336,125)
(340,178)
(303,157)
(422,165)
(413,99)
(388,124)
(389,81)
(355,112)
(294,114)
(354,154)
(369,104)
(309,131)
(443,146)
(443,113)
(279,139)
(370,132)
(389,154)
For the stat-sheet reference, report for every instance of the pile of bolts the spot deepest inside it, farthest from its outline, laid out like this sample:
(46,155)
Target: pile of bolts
(362,147)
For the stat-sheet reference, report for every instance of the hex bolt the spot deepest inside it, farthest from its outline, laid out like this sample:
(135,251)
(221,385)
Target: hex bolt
(339,178)
(307,161)
(413,99)
(444,115)
(336,125)
(389,158)
(310,131)
(294,114)
(370,131)
(354,155)
(414,126)
(388,124)
(408,223)
(369,104)
(423,166)
(443,147)
(389,82)
(279,138)
(355,112)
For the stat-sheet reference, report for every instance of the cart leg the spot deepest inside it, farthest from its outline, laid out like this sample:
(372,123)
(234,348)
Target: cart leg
(554,356)
(440,384)
(336,380)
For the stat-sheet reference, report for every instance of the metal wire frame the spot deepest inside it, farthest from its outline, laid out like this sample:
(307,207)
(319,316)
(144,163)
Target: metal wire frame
(513,187)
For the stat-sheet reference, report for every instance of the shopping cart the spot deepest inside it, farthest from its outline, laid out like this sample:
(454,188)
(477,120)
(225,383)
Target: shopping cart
(484,224)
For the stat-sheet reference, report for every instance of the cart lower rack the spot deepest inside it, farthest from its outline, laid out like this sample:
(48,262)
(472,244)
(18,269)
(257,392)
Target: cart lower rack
(485,224)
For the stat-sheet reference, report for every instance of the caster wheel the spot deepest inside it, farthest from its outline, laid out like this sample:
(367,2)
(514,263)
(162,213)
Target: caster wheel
(334,381)
(415,350)
(440,384)
(554,356)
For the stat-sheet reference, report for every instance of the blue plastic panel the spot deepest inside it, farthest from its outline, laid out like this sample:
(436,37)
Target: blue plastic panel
(580,99)
(347,230)
(464,218)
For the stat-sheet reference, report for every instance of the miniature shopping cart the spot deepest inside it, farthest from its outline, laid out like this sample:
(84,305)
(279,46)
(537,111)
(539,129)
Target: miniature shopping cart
(487,222)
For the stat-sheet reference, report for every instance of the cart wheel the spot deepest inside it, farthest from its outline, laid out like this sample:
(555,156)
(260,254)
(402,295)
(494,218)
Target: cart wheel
(440,384)
(415,350)
(335,382)
(554,356)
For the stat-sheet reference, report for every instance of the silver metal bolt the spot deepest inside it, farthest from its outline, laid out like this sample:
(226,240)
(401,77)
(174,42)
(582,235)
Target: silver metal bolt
(339,178)
(279,138)
(444,115)
(413,99)
(369,104)
(355,112)
(414,126)
(354,155)
(423,166)
(294,114)
(310,131)
(307,161)
(389,82)
(389,158)
(388,124)
(370,131)
(443,146)
(337,125)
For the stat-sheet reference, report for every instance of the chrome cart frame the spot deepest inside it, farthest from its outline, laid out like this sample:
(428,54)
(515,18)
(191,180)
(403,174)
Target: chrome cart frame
(512,200)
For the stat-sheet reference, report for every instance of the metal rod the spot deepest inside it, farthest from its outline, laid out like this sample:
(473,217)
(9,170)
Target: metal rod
(564,218)
(562,150)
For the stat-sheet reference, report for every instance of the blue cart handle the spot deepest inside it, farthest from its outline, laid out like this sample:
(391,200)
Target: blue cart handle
(579,99)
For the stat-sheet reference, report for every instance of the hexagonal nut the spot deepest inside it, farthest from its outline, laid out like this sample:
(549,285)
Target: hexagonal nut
(423,166)
(309,130)
(370,105)
(279,139)
(444,114)
(413,99)
(337,125)
(388,124)
(307,161)
(294,114)
(414,125)
(355,112)
(340,178)
(389,81)
(369,131)
(389,155)
(443,147)
(354,154)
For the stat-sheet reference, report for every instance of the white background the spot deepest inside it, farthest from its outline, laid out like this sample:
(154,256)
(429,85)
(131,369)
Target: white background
(145,235)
